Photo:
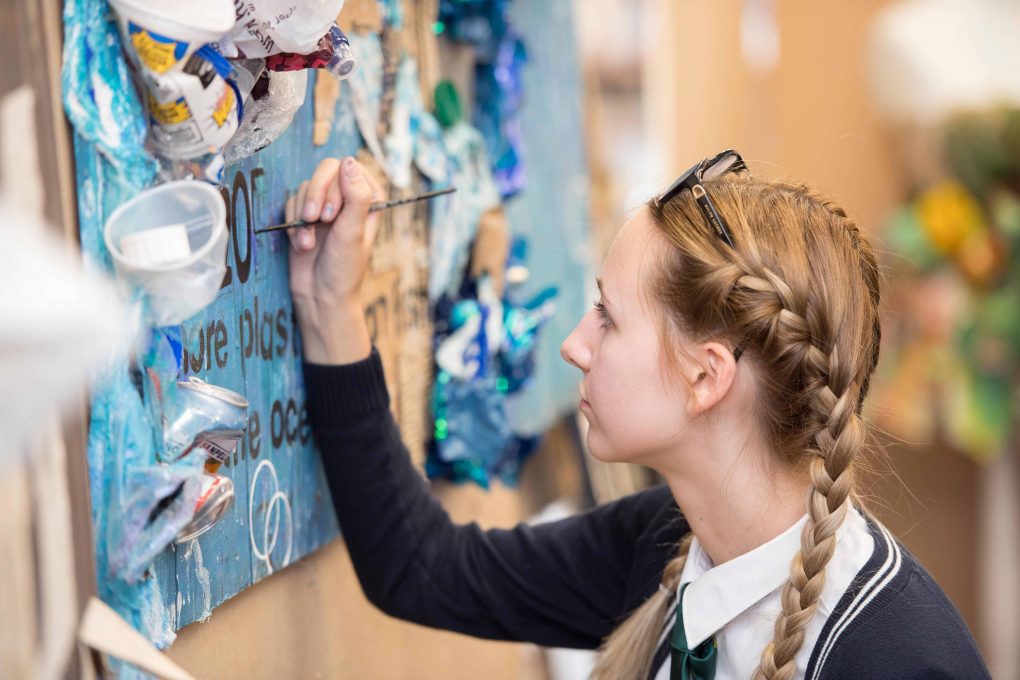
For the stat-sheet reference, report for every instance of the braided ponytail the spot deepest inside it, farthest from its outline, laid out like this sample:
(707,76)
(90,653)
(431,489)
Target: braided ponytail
(627,653)
(799,294)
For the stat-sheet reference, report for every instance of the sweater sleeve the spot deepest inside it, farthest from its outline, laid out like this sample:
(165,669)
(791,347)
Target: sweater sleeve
(556,584)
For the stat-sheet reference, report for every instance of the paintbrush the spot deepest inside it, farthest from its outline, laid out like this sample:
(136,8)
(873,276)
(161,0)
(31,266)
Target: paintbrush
(372,208)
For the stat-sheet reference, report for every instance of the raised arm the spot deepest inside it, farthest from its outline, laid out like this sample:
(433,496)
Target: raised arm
(554,584)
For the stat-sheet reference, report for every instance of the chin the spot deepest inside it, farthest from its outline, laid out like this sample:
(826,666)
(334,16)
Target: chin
(602,451)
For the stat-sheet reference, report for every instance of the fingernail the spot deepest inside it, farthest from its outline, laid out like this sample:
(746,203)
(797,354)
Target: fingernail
(351,169)
(311,207)
(306,239)
(327,211)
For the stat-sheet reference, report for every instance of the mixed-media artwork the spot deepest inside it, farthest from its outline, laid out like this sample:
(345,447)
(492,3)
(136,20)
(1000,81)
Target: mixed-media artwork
(244,342)
(203,470)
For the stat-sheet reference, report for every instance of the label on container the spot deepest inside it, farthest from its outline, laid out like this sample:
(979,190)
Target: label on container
(170,113)
(218,445)
(210,485)
(193,110)
(225,107)
(155,52)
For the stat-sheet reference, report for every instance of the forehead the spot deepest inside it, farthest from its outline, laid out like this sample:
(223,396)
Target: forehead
(630,254)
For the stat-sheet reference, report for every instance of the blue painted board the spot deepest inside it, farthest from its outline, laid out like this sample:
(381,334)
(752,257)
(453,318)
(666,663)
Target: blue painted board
(246,341)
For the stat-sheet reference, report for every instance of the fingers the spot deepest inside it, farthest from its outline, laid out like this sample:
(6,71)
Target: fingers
(332,202)
(318,187)
(301,238)
(356,189)
(373,221)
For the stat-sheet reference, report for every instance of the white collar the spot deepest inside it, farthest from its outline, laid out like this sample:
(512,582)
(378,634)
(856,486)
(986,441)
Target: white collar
(718,594)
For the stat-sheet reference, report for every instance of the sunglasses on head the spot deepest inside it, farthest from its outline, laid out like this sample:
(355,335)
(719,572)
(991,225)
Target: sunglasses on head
(709,168)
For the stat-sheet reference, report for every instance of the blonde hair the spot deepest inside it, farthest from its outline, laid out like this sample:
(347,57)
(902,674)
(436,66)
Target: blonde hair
(799,295)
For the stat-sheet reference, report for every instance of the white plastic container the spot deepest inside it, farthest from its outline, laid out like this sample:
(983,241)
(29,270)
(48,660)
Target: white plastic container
(166,32)
(178,289)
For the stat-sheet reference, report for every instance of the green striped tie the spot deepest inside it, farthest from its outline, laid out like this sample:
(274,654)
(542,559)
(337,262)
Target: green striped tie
(687,663)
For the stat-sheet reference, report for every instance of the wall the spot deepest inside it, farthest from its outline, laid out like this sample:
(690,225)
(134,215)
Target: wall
(311,621)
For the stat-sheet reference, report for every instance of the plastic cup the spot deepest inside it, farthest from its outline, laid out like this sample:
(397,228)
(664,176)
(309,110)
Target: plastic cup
(179,289)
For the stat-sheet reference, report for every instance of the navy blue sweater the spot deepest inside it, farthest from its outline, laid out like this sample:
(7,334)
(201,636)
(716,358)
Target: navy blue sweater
(569,583)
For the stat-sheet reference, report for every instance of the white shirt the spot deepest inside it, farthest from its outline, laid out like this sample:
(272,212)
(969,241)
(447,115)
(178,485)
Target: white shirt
(739,601)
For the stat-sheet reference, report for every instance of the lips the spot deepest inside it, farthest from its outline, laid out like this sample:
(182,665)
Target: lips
(584,403)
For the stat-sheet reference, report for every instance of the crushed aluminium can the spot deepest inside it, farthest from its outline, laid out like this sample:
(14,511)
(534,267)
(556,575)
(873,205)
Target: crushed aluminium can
(215,498)
(209,417)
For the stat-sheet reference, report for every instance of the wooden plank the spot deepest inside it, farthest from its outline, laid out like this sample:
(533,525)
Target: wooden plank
(32,55)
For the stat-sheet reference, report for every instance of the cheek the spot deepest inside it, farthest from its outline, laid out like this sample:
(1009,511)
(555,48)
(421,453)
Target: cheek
(633,411)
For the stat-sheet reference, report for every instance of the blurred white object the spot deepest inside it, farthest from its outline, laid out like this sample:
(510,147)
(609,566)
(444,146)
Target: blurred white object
(265,27)
(184,287)
(759,36)
(57,324)
(932,58)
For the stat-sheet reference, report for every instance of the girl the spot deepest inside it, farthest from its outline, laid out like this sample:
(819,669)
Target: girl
(730,350)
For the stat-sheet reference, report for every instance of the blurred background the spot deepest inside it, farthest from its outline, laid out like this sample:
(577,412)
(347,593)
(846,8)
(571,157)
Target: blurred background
(905,112)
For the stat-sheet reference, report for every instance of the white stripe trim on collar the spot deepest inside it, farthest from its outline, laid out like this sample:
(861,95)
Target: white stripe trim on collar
(890,567)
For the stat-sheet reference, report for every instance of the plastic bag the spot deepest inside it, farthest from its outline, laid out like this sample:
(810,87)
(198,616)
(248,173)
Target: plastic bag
(267,27)
(267,118)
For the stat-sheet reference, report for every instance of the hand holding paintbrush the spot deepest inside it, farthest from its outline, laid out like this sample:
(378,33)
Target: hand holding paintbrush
(328,263)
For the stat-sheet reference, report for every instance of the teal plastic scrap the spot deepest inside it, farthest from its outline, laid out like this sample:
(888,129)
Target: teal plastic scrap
(99,96)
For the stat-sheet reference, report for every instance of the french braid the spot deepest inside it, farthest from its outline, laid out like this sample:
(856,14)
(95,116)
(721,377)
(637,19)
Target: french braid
(799,294)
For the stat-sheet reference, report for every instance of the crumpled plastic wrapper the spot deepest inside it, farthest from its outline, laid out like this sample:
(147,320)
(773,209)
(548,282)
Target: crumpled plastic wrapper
(267,118)
(99,97)
(266,27)
(138,505)
(143,504)
(484,360)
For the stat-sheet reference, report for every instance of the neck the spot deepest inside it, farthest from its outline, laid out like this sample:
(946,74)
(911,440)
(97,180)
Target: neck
(733,495)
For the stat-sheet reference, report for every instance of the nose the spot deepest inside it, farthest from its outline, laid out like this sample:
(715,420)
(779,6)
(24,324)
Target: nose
(576,349)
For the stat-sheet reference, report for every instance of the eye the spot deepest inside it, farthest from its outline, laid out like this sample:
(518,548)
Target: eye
(600,309)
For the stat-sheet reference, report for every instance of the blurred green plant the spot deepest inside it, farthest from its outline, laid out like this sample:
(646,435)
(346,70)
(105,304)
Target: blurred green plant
(957,350)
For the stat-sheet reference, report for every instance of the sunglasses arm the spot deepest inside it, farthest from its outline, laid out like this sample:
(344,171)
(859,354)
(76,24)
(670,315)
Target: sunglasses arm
(711,214)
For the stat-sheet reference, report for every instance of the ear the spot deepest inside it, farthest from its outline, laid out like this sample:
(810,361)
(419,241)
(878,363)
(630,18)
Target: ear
(713,371)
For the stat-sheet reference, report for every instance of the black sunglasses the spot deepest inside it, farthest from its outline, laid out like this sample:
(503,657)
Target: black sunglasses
(709,168)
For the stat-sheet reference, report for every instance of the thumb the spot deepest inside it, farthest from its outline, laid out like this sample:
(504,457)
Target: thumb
(356,193)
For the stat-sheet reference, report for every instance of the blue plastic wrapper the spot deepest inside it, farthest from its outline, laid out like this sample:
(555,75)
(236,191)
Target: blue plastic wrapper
(500,56)
(498,100)
(99,96)
(485,353)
